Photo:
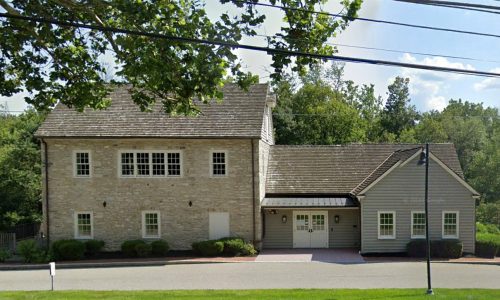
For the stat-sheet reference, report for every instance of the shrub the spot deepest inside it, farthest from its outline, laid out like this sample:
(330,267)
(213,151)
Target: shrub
(28,249)
(159,248)
(447,248)
(208,248)
(487,245)
(68,250)
(248,250)
(439,248)
(4,254)
(143,250)
(417,248)
(128,247)
(488,213)
(92,247)
(487,228)
(233,246)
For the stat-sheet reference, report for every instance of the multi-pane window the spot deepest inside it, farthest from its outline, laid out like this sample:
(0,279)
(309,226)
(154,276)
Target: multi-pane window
(450,224)
(219,164)
(142,163)
(418,224)
(150,224)
(386,225)
(127,164)
(83,226)
(82,164)
(174,163)
(158,164)
(150,163)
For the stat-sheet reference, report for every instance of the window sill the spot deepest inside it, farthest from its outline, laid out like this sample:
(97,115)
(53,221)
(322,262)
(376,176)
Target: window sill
(386,237)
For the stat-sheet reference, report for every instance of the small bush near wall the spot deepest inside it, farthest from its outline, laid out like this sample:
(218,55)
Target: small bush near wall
(159,248)
(229,246)
(31,252)
(487,245)
(143,250)
(68,250)
(447,248)
(4,254)
(92,247)
(208,248)
(439,248)
(129,247)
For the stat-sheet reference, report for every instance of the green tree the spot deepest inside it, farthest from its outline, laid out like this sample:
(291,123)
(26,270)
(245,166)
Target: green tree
(20,172)
(59,63)
(398,114)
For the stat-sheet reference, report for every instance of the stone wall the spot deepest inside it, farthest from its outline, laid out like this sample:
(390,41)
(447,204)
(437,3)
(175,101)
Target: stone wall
(126,198)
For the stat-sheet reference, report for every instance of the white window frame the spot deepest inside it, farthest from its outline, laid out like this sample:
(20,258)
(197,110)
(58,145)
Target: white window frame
(143,221)
(417,236)
(457,224)
(150,155)
(76,231)
(226,163)
(75,166)
(387,237)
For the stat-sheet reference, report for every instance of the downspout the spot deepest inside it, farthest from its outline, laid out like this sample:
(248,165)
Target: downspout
(46,167)
(253,191)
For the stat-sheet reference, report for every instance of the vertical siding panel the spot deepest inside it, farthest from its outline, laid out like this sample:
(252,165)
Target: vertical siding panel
(276,233)
(345,234)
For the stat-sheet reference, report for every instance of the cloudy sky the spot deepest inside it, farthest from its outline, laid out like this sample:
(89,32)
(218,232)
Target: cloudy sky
(429,90)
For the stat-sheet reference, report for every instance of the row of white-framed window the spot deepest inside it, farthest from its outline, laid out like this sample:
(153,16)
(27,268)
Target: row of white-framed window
(150,220)
(387,224)
(151,224)
(151,163)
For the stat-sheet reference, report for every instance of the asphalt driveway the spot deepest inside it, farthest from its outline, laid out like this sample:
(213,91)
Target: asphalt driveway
(264,275)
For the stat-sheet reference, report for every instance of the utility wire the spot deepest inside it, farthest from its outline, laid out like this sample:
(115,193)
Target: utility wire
(452,4)
(396,51)
(368,19)
(252,47)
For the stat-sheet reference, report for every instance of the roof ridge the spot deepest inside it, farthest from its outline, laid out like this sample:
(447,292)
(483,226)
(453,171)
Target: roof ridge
(372,172)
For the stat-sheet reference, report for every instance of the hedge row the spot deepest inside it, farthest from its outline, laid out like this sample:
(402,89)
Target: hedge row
(229,246)
(139,248)
(439,248)
(487,245)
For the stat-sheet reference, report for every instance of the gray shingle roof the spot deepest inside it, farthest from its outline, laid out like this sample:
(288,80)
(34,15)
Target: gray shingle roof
(340,169)
(308,202)
(239,115)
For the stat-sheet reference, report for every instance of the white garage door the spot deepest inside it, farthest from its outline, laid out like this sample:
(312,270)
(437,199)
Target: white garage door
(218,225)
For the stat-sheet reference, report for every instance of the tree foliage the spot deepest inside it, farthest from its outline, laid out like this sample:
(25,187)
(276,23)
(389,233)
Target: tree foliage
(20,172)
(57,63)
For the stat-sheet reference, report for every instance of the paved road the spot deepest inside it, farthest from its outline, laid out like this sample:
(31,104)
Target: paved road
(258,276)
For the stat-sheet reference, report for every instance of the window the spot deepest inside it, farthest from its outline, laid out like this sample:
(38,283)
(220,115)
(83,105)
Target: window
(386,225)
(417,224)
(83,225)
(127,164)
(150,163)
(174,163)
(219,163)
(450,224)
(150,224)
(81,163)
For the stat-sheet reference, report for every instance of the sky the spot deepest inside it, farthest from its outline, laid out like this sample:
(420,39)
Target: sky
(428,90)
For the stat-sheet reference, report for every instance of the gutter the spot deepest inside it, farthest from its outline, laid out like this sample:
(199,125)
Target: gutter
(46,169)
(253,191)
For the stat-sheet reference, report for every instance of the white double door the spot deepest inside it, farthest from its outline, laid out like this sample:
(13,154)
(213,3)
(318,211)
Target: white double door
(310,229)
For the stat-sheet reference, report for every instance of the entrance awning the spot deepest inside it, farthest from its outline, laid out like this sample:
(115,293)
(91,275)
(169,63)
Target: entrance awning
(298,202)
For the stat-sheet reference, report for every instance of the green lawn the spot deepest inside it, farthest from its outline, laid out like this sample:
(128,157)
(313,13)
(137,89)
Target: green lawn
(393,294)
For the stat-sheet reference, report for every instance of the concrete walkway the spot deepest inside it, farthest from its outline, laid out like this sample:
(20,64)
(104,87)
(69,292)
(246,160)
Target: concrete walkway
(339,256)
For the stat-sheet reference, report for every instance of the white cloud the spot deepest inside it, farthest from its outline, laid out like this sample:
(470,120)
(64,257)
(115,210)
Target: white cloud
(489,83)
(428,86)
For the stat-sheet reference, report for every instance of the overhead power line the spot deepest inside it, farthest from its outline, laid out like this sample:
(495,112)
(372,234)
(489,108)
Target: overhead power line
(252,47)
(285,8)
(458,5)
(400,51)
